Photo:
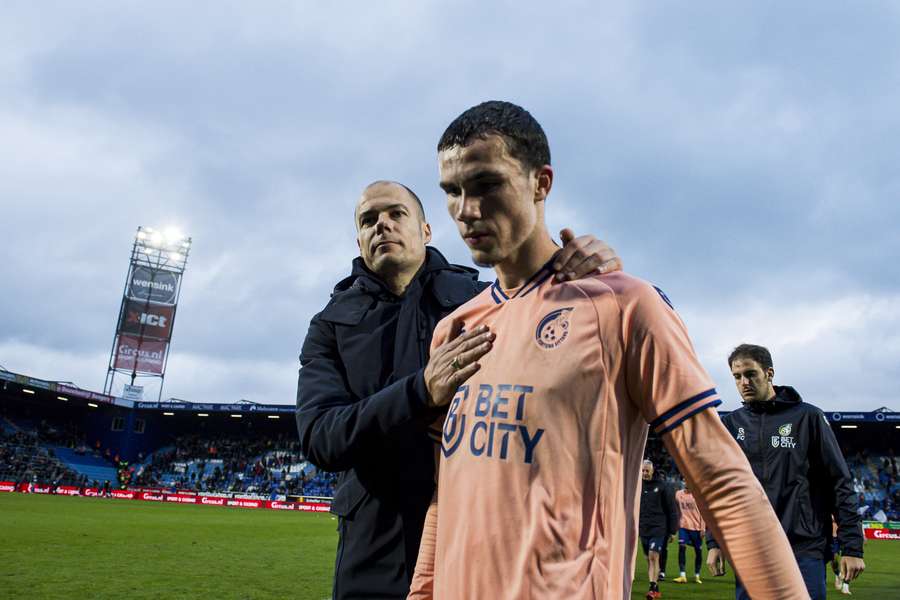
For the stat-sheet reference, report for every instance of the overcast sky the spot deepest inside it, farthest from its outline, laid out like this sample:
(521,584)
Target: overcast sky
(743,157)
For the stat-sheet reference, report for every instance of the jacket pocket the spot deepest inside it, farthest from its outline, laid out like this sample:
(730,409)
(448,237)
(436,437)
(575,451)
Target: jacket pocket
(348,496)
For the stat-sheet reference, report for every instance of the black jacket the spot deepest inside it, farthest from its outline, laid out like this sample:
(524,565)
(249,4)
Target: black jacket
(795,456)
(659,513)
(361,409)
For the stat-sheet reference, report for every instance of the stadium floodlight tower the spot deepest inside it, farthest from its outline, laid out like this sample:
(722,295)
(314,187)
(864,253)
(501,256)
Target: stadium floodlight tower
(147,314)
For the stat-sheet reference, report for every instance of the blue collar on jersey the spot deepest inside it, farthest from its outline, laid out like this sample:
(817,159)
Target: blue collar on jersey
(529,286)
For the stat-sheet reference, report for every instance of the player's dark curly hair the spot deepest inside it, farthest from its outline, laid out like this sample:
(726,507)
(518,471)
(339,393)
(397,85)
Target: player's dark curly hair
(758,353)
(525,139)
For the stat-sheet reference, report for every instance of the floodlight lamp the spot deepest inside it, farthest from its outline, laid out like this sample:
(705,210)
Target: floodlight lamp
(172,236)
(140,234)
(156,238)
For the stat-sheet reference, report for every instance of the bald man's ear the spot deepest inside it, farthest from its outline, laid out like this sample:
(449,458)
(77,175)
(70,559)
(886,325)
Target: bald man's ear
(358,245)
(544,177)
(426,231)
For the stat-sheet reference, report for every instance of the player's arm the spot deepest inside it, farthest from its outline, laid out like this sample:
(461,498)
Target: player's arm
(676,396)
(830,459)
(335,426)
(735,507)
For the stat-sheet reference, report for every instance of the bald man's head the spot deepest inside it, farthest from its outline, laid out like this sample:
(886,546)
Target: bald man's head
(386,183)
(391,231)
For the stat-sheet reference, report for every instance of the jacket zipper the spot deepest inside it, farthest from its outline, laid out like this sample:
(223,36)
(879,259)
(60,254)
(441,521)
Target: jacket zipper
(762,446)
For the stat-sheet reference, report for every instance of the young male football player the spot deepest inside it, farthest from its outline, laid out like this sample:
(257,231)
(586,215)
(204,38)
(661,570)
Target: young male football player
(690,532)
(542,446)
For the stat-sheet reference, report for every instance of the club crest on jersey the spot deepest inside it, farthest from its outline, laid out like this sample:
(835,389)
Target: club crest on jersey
(553,328)
(784,439)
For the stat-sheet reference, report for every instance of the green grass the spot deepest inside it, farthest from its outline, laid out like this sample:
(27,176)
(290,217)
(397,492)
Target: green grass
(881,579)
(88,548)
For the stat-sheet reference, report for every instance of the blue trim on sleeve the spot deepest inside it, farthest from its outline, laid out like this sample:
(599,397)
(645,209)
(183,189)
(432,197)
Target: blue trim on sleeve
(494,296)
(681,406)
(715,402)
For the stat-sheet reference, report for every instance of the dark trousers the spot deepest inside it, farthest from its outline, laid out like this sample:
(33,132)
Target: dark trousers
(813,571)
(698,558)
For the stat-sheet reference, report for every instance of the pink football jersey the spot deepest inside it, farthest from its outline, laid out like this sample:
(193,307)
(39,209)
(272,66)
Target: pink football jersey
(690,515)
(541,449)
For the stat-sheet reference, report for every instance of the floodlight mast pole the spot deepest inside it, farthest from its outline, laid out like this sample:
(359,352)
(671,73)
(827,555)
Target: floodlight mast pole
(185,250)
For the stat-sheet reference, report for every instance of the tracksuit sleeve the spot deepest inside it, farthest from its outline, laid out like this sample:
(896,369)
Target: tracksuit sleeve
(840,486)
(735,507)
(672,513)
(335,426)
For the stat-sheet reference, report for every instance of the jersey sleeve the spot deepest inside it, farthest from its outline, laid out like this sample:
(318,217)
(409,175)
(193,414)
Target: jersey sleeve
(735,508)
(663,374)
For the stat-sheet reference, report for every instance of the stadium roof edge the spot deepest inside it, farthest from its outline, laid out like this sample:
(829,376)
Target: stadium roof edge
(879,415)
(173,404)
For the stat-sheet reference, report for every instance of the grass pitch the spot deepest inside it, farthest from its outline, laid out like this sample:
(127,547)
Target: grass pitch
(90,548)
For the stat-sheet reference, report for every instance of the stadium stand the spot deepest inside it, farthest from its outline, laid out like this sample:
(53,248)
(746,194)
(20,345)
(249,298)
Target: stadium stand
(50,434)
(875,479)
(239,463)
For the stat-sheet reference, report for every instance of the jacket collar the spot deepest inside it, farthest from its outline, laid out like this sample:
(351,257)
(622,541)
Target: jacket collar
(785,397)
(353,296)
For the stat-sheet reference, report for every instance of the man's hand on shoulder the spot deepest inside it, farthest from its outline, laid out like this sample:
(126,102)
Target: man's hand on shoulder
(583,256)
(851,567)
(453,362)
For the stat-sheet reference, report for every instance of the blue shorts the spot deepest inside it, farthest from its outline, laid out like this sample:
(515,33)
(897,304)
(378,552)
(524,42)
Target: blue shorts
(835,547)
(653,543)
(690,537)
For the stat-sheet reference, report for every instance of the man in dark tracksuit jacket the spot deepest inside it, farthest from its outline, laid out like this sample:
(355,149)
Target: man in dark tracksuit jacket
(658,521)
(795,456)
(362,398)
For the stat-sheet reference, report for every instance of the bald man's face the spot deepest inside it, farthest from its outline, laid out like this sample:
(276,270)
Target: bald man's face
(390,231)
(647,471)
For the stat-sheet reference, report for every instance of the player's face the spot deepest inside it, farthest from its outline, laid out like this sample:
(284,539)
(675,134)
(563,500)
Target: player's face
(754,383)
(390,231)
(492,197)
(647,472)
